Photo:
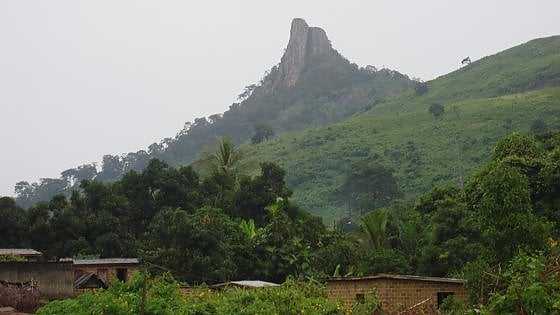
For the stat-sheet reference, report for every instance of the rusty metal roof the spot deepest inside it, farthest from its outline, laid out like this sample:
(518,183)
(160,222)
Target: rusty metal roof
(19,252)
(398,277)
(85,278)
(247,284)
(107,261)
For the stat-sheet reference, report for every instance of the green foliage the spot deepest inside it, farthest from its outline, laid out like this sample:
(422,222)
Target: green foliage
(516,145)
(420,88)
(436,110)
(528,284)
(249,229)
(527,291)
(226,158)
(13,223)
(262,133)
(382,260)
(291,298)
(374,225)
(11,258)
(163,297)
(202,247)
(538,126)
(501,196)
(369,186)
(452,238)
(369,305)
(316,160)
(453,306)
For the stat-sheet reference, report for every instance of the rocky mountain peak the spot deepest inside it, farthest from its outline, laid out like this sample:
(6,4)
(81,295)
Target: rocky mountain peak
(305,43)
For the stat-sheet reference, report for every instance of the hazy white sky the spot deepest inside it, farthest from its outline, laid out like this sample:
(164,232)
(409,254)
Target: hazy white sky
(79,79)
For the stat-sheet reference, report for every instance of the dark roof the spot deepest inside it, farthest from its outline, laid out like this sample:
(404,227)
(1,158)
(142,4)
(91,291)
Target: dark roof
(89,279)
(246,284)
(107,261)
(19,252)
(399,277)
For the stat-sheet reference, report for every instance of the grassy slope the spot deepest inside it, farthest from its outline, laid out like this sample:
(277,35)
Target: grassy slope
(520,84)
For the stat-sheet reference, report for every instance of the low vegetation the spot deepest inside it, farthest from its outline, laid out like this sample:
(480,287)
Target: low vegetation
(162,296)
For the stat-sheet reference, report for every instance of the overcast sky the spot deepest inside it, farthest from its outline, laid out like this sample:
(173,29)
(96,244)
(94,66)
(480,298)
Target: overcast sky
(79,79)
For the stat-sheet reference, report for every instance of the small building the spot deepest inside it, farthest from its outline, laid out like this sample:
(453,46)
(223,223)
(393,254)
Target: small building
(26,253)
(398,293)
(106,269)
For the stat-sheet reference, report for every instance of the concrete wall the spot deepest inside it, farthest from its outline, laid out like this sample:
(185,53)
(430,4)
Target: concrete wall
(396,295)
(55,279)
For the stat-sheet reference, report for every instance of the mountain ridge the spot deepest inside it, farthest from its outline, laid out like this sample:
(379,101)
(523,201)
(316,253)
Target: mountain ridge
(313,85)
(499,94)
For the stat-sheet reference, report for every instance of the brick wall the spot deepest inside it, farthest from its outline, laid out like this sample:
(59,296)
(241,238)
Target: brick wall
(55,280)
(396,295)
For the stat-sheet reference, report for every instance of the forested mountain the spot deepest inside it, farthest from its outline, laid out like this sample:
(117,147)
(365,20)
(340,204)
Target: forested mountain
(313,85)
(433,134)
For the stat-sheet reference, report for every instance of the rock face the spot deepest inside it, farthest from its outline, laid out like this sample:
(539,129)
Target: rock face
(305,43)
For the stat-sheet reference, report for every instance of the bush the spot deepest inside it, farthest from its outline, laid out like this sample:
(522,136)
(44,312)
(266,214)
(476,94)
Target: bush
(368,305)
(539,126)
(453,306)
(291,298)
(516,145)
(436,110)
(421,88)
(164,297)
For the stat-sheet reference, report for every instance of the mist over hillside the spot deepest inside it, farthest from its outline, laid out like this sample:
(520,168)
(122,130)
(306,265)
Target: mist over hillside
(312,86)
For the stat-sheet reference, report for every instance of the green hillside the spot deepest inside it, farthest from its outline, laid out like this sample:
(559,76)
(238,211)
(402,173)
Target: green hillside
(483,101)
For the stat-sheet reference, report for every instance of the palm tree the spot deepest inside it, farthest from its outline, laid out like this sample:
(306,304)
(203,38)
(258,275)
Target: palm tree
(249,229)
(374,225)
(226,158)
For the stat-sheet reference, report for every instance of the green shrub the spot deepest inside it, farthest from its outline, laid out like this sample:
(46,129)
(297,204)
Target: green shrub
(368,305)
(163,297)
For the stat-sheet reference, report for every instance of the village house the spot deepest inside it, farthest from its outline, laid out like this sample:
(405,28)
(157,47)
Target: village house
(398,293)
(101,272)
(66,277)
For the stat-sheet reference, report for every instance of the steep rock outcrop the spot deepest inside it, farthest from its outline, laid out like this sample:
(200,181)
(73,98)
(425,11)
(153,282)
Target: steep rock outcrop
(304,44)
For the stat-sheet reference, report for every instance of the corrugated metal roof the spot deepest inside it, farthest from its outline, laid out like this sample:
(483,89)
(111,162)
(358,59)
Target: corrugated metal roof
(398,277)
(248,284)
(19,252)
(86,277)
(107,261)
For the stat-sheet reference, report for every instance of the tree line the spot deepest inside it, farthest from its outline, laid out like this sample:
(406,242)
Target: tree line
(226,225)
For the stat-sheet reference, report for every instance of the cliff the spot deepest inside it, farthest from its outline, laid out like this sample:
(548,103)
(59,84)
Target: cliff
(304,44)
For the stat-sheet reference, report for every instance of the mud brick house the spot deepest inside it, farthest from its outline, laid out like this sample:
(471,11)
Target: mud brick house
(106,269)
(398,293)
(66,277)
